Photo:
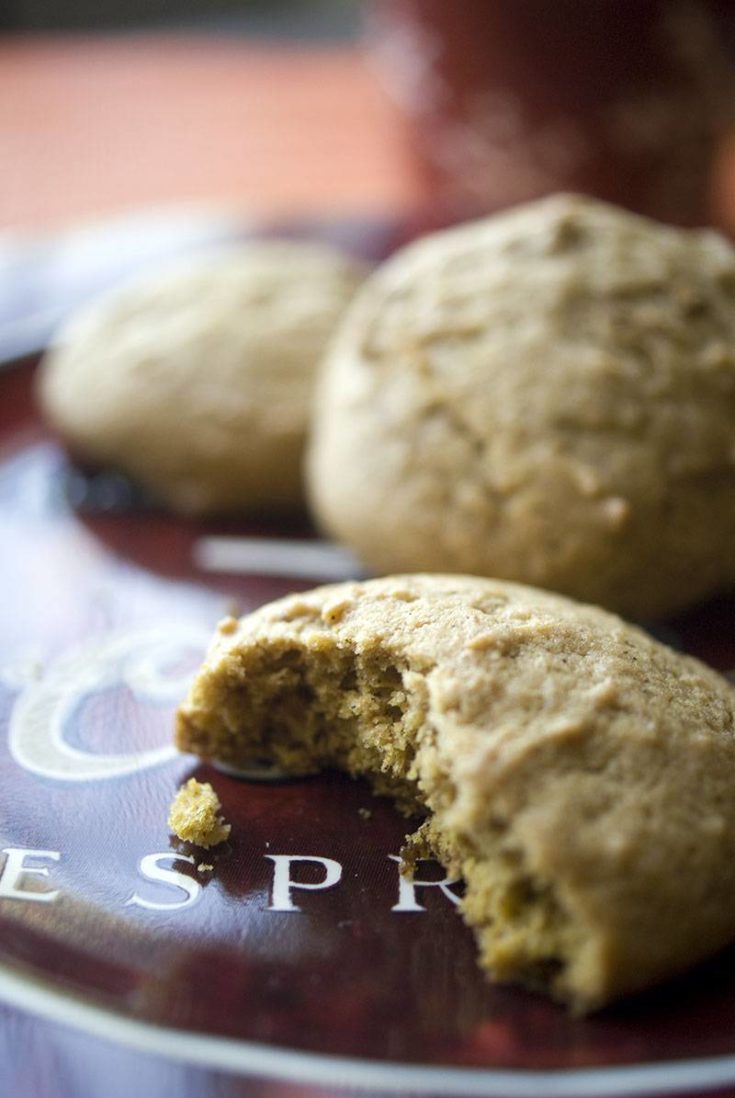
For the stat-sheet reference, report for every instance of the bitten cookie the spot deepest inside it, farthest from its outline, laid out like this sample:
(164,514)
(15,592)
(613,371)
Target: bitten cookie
(547,396)
(198,382)
(579,775)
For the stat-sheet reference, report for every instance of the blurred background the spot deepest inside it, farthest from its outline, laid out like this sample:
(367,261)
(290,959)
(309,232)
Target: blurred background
(302,18)
(262,103)
(135,130)
(205,117)
(304,105)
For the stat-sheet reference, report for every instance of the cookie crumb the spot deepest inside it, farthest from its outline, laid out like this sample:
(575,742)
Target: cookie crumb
(365,813)
(194,815)
(204,867)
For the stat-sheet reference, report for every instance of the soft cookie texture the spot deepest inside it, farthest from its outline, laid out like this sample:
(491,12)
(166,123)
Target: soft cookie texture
(579,775)
(547,396)
(197,382)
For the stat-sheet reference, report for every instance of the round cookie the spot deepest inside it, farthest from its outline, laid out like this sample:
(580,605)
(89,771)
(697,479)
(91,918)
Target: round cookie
(197,382)
(547,396)
(579,775)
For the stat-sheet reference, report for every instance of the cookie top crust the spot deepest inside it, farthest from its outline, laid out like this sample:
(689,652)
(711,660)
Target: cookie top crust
(197,381)
(547,395)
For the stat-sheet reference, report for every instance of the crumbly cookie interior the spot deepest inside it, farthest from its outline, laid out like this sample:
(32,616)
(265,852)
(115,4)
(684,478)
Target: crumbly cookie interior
(302,708)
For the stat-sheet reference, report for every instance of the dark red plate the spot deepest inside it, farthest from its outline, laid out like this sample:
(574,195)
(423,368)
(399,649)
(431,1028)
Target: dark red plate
(108,925)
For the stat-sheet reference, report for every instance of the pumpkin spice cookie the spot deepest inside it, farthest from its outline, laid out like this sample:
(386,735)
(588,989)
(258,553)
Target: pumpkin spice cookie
(548,396)
(579,775)
(197,382)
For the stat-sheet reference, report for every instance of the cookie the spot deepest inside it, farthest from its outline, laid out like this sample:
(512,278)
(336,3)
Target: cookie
(547,396)
(579,775)
(198,382)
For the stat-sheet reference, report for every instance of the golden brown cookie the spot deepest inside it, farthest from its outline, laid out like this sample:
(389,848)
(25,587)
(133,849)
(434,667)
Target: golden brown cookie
(197,382)
(548,396)
(579,775)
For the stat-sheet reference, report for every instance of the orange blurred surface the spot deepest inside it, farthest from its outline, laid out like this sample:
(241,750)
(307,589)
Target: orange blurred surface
(94,126)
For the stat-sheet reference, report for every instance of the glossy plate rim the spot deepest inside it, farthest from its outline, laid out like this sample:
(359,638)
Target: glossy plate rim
(279,1063)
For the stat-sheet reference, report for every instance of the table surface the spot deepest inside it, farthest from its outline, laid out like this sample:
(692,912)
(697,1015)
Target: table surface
(96,126)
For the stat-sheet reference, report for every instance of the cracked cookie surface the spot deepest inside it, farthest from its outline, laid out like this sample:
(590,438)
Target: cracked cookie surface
(547,396)
(579,775)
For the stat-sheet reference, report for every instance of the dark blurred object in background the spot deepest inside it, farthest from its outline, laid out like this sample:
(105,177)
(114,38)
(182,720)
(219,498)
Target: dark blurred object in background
(321,19)
(506,100)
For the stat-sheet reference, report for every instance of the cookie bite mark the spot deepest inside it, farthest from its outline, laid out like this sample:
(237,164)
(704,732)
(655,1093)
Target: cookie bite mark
(316,702)
(563,763)
(305,702)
